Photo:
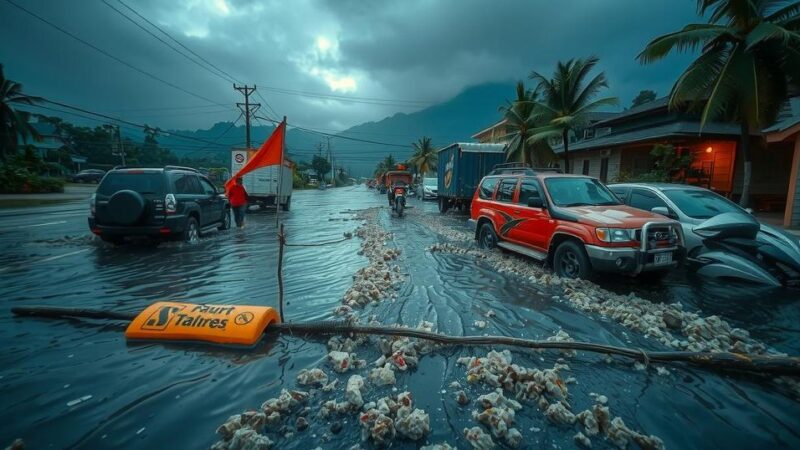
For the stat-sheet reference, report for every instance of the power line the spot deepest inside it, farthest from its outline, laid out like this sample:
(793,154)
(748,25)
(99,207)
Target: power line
(109,55)
(127,122)
(178,42)
(339,136)
(228,80)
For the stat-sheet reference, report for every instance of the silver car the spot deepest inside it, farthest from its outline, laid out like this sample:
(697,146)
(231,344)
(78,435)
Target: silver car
(428,188)
(690,205)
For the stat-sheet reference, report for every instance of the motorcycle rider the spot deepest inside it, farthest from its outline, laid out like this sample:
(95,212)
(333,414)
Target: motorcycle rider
(396,184)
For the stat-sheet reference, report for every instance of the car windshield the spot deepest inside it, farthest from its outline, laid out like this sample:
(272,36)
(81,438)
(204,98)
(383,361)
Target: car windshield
(431,182)
(701,204)
(576,191)
(141,182)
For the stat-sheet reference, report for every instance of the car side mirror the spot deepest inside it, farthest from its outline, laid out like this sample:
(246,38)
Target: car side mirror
(664,211)
(535,202)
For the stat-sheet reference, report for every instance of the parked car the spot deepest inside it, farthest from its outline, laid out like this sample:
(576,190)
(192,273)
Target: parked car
(722,239)
(87,176)
(572,222)
(169,203)
(428,188)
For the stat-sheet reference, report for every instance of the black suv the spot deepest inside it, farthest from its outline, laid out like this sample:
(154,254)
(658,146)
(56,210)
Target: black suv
(169,203)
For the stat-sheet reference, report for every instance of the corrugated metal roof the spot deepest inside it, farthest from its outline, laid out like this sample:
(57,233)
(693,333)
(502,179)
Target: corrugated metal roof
(476,147)
(674,129)
(790,116)
(636,110)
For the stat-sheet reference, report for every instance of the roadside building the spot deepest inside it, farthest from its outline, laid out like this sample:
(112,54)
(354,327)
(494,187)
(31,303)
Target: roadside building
(50,141)
(619,147)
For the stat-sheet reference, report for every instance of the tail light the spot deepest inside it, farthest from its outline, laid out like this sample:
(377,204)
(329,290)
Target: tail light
(170,204)
(92,205)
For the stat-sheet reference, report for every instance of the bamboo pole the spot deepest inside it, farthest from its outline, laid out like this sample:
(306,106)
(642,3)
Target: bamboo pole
(281,244)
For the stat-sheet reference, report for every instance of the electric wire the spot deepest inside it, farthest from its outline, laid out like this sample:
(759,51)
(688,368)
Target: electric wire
(109,55)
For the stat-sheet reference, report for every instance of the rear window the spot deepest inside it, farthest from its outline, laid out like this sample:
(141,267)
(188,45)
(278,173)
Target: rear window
(486,188)
(141,182)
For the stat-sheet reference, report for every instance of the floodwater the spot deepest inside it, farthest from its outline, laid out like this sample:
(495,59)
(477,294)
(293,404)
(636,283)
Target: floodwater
(175,396)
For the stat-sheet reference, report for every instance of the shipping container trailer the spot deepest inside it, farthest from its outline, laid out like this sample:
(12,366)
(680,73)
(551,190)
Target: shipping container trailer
(461,166)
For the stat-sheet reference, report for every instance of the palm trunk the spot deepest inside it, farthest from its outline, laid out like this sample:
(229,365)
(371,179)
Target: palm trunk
(565,137)
(744,142)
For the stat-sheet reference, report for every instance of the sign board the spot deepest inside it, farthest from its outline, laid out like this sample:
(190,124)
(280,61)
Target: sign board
(220,324)
(238,160)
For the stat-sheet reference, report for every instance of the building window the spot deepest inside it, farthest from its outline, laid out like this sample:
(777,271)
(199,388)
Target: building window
(604,170)
(585,167)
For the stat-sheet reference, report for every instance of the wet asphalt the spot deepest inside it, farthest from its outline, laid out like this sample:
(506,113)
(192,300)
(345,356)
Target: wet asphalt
(79,384)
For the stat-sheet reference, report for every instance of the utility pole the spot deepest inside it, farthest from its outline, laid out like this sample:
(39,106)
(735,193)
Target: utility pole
(248,109)
(117,148)
(333,169)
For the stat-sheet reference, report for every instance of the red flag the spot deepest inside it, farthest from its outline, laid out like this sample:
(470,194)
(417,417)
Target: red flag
(269,154)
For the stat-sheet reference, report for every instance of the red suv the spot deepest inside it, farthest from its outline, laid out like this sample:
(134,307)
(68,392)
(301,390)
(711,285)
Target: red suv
(573,222)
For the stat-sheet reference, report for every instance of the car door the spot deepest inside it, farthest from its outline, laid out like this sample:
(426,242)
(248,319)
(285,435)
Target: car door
(537,225)
(214,212)
(203,201)
(505,206)
(645,200)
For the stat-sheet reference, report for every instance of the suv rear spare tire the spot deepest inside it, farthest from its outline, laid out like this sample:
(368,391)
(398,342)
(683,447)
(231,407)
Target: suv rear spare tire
(570,261)
(126,207)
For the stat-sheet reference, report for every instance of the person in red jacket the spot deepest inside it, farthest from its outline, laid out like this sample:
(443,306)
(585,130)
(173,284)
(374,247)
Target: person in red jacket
(238,199)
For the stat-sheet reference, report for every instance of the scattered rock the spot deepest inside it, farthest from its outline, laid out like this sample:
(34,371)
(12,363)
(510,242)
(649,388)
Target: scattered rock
(301,424)
(582,440)
(478,439)
(312,377)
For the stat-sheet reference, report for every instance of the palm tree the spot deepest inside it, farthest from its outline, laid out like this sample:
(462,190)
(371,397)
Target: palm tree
(750,53)
(567,99)
(389,163)
(522,118)
(14,123)
(425,157)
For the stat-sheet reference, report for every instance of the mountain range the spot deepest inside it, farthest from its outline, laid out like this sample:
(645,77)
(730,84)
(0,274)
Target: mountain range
(454,120)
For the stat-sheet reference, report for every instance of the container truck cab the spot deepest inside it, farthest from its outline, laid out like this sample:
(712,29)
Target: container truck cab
(572,222)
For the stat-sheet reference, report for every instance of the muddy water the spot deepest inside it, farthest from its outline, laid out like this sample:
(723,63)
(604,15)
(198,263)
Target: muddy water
(159,396)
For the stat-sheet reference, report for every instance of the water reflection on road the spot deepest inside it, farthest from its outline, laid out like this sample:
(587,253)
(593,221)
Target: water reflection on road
(159,396)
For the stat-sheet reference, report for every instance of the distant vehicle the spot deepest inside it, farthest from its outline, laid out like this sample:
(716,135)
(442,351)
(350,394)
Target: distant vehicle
(428,188)
(266,186)
(397,184)
(88,176)
(573,222)
(460,168)
(734,246)
(169,203)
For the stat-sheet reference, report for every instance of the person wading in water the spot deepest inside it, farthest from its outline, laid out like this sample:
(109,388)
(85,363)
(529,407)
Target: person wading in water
(238,199)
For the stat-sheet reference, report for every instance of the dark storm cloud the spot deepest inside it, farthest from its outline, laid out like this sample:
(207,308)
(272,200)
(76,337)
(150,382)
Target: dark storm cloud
(413,49)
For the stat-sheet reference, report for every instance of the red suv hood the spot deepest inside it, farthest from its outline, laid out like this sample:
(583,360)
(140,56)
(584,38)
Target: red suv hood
(615,216)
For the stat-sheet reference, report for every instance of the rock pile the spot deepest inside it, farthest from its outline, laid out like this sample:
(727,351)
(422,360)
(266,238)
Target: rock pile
(243,431)
(376,281)
(392,416)
(549,392)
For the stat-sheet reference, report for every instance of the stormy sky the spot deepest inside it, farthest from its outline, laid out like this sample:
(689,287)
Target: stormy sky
(328,64)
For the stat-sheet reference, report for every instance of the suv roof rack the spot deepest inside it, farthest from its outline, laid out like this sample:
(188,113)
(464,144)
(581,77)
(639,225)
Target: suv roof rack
(191,169)
(520,168)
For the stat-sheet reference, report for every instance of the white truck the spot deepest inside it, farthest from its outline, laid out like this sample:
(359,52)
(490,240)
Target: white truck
(267,186)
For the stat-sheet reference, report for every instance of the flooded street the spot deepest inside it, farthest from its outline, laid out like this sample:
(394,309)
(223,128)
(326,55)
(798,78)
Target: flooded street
(78,384)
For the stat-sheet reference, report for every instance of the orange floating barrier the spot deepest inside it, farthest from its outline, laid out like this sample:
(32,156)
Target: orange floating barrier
(219,324)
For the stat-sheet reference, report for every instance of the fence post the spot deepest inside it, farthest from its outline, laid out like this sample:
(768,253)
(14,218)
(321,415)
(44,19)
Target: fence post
(281,243)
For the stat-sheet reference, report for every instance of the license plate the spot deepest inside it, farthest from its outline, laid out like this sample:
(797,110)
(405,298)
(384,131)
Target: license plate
(661,259)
